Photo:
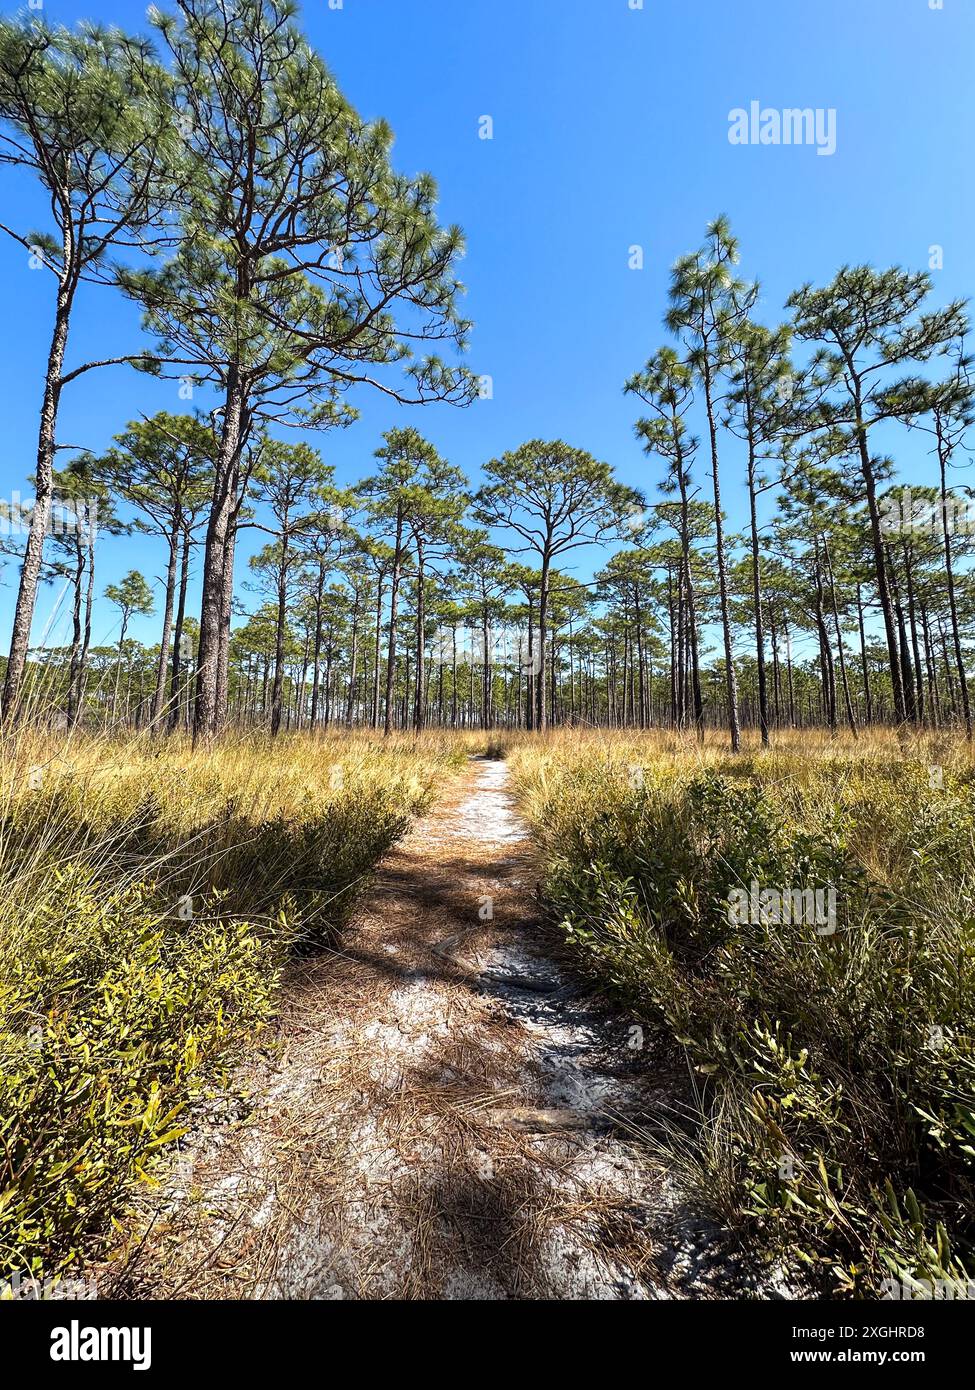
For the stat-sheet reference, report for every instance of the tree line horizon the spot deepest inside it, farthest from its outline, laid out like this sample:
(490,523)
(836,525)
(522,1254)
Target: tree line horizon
(230,190)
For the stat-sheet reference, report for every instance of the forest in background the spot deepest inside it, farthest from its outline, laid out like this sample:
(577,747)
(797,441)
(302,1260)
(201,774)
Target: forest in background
(225,185)
(776,714)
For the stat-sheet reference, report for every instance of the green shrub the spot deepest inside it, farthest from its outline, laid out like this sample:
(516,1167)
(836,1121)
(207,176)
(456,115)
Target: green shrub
(840,1062)
(150,899)
(113,1021)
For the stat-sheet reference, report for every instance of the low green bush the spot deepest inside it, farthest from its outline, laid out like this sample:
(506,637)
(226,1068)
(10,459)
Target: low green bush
(150,901)
(112,1021)
(836,1063)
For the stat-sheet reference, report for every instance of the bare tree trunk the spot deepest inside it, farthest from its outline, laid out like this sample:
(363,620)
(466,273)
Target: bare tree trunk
(86,634)
(393,602)
(206,711)
(71,703)
(949,678)
(421,622)
(175,694)
(931,666)
(850,716)
(880,562)
(776,670)
(867,695)
(730,677)
(40,514)
(226,615)
(487,721)
(539,664)
(353,661)
(530,674)
(912,622)
(162,666)
(908,695)
(695,660)
(376,650)
(675,622)
(279,630)
(952,603)
(763,719)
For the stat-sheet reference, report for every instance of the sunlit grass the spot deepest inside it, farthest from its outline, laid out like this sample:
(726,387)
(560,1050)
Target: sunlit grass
(846,1057)
(151,897)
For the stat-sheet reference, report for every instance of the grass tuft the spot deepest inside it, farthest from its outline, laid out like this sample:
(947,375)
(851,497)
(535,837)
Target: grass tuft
(836,1062)
(150,900)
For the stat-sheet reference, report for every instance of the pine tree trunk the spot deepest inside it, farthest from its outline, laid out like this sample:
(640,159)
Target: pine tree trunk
(353,661)
(175,694)
(776,670)
(763,719)
(952,602)
(227,602)
(205,714)
(418,698)
(486,713)
(393,602)
(880,562)
(915,648)
(280,625)
(867,696)
(538,665)
(162,665)
(30,572)
(71,703)
(376,651)
(909,699)
(530,674)
(931,667)
(675,611)
(850,716)
(639,655)
(730,677)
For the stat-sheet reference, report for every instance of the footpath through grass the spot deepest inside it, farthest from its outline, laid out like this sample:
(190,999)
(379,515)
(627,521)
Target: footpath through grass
(150,900)
(832,1036)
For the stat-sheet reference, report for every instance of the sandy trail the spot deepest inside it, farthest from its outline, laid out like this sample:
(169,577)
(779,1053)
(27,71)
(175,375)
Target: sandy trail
(443,1114)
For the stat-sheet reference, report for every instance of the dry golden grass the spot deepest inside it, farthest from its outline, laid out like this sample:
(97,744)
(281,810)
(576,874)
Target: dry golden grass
(150,898)
(273,842)
(811,1043)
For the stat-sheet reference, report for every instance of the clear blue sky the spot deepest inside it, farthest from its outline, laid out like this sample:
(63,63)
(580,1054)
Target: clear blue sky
(610,129)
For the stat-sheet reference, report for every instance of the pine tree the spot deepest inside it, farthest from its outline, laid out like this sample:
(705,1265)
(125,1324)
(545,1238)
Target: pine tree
(758,411)
(869,325)
(89,114)
(555,499)
(307,265)
(707,307)
(163,467)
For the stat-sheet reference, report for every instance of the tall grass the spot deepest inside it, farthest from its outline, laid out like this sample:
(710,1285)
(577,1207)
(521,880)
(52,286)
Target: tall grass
(150,899)
(836,1068)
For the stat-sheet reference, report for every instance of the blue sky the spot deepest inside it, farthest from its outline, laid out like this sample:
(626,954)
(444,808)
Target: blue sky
(610,130)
